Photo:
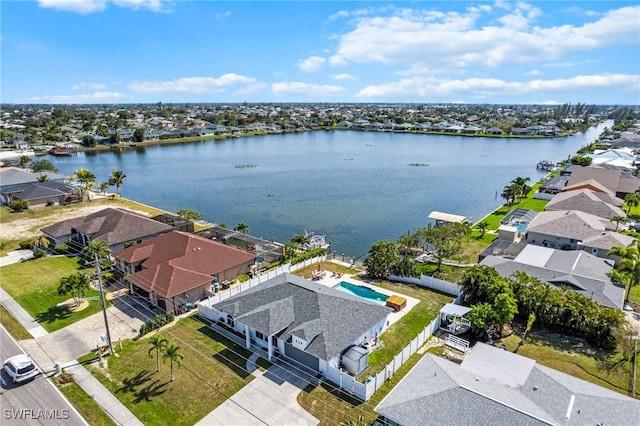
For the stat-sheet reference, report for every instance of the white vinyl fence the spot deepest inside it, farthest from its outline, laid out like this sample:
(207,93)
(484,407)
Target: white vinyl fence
(267,275)
(430,282)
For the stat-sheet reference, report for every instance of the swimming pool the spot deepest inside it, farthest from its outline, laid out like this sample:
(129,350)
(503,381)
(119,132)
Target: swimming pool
(521,226)
(361,292)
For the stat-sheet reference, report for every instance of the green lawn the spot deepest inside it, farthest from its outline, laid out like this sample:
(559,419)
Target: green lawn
(34,284)
(212,371)
(574,357)
(86,406)
(12,325)
(332,406)
(399,335)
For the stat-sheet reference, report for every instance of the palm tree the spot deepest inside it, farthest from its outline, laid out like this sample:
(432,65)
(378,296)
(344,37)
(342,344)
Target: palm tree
(482,226)
(158,343)
(632,200)
(117,179)
(86,178)
(41,242)
(23,160)
(76,284)
(523,188)
(631,252)
(509,193)
(189,214)
(242,227)
(632,267)
(96,248)
(173,353)
(618,220)
(43,178)
(103,186)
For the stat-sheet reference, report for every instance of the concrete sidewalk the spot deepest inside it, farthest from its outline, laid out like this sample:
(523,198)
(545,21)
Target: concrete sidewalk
(105,399)
(100,394)
(23,317)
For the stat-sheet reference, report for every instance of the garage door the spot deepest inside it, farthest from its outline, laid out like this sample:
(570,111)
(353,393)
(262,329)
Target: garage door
(302,357)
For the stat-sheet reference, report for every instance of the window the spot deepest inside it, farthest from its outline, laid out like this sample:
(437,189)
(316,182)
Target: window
(231,321)
(261,336)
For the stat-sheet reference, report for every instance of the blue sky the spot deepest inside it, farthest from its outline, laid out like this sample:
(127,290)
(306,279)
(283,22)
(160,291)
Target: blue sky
(139,51)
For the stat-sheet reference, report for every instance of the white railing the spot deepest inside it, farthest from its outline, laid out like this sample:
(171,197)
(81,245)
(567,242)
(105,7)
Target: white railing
(456,343)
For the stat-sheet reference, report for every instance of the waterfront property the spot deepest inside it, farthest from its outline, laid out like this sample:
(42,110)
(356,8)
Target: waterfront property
(301,320)
(362,292)
(176,269)
(575,230)
(495,387)
(40,194)
(600,204)
(115,227)
(11,176)
(600,179)
(575,269)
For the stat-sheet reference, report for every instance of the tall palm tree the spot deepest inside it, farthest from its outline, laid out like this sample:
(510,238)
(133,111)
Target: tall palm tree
(482,226)
(631,252)
(41,242)
(117,179)
(618,220)
(242,227)
(175,356)
(158,344)
(76,284)
(102,186)
(96,247)
(632,267)
(521,184)
(632,200)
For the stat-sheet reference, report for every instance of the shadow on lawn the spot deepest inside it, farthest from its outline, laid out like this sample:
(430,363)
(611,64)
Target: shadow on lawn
(145,394)
(54,314)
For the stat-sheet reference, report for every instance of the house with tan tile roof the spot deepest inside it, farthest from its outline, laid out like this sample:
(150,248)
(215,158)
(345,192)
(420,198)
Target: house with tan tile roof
(178,268)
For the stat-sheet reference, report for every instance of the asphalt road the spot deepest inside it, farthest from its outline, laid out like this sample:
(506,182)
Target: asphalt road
(37,402)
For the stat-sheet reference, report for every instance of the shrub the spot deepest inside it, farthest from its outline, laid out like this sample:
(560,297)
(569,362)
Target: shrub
(39,253)
(25,245)
(243,277)
(156,323)
(19,205)
(61,248)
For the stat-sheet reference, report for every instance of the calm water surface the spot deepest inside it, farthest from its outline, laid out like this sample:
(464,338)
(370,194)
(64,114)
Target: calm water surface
(355,187)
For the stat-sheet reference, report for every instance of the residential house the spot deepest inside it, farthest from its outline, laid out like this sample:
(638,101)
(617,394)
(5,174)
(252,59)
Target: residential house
(575,230)
(602,204)
(177,268)
(115,227)
(12,176)
(554,185)
(576,269)
(302,320)
(601,179)
(493,387)
(39,194)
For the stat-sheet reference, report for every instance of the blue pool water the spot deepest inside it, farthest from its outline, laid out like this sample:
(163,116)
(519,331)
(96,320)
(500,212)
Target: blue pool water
(521,226)
(362,292)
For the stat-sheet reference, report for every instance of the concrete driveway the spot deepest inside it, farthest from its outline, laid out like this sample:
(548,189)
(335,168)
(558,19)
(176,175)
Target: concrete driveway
(270,398)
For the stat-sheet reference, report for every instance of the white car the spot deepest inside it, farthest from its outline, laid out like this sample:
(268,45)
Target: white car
(20,368)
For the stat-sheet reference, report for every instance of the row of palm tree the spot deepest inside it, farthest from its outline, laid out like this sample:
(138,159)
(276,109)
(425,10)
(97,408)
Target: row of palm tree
(160,345)
(555,308)
(516,190)
(87,179)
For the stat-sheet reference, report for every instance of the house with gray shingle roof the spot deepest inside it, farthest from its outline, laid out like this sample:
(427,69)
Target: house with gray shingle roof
(575,230)
(39,194)
(600,204)
(115,227)
(494,387)
(12,176)
(602,180)
(301,319)
(576,269)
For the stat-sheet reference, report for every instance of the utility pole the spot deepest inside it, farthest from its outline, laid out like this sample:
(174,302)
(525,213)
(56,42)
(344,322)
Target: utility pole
(104,305)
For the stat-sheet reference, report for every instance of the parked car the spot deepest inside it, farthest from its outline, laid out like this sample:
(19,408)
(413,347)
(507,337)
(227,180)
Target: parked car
(20,368)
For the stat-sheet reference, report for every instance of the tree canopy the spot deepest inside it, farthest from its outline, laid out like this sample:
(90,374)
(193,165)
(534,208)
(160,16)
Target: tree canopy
(383,256)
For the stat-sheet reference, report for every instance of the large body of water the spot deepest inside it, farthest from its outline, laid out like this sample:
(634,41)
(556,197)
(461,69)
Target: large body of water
(355,187)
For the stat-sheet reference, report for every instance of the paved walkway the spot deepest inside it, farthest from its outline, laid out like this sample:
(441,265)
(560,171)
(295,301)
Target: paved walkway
(15,257)
(45,349)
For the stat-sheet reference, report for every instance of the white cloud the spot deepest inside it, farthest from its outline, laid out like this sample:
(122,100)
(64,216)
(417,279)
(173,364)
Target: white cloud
(343,76)
(195,85)
(95,98)
(457,39)
(337,60)
(82,7)
(92,86)
(223,15)
(250,89)
(482,88)
(533,72)
(85,7)
(338,15)
(311,64)
(284,88)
